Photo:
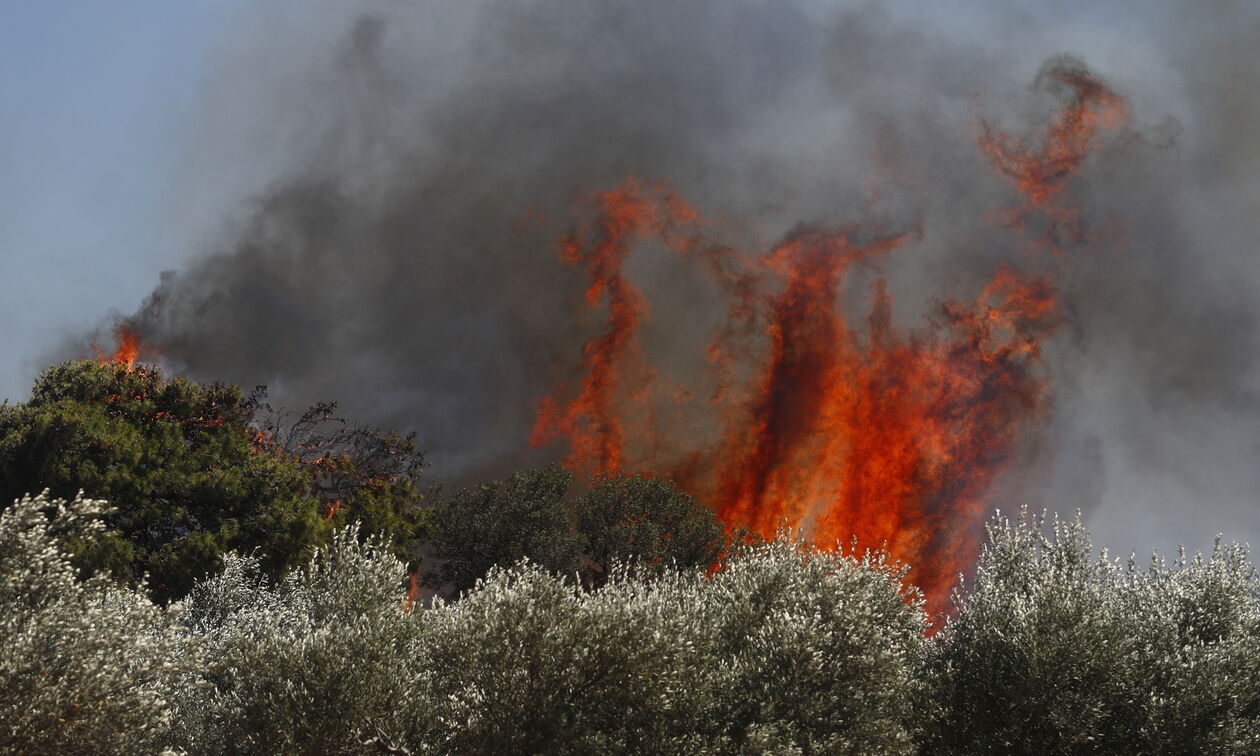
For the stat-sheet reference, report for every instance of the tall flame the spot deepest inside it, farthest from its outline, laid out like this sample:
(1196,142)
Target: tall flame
(850,431)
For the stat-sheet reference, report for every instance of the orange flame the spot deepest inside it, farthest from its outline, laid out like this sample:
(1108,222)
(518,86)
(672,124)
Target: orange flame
(413,592)
(126,351)
(330,508)
(848,431)
(591,421)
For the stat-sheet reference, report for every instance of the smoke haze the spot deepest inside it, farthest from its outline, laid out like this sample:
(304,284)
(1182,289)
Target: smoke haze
(380,187)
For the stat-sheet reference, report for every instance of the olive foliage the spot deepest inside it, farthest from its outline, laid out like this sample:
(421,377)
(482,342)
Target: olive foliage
(85,666)
(781,648)
(1058,650)
(786,650)
(312,664)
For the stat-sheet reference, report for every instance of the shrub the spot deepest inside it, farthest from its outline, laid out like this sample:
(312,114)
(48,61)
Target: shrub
(499,523)
(785,650)
(1198,626)
(1056,651)
(85,667)
(649,522)
(525,663)
(809,651)
(315,664)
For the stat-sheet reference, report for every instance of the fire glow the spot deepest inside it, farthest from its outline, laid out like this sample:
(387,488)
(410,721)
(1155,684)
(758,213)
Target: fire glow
(126,349)
(850,429)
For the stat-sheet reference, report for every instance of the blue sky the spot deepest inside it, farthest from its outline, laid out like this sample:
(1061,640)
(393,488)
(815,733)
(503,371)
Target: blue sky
(96,98)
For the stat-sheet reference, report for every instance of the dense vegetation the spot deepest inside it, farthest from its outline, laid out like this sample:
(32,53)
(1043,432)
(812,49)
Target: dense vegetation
(627,519)
(616,619)
(192,471)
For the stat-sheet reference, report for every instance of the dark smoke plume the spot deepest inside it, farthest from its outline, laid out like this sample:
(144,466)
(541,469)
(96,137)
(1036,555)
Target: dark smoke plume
(411,167)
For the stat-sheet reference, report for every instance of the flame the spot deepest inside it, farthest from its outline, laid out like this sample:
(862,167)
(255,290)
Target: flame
(591,421)
(1041,174)
(126,351)
(849,429)
(330,507)
(413,592)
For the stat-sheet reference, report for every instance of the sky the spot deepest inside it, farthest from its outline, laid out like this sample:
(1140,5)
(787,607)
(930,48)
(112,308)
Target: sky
(333,148)
(96,98)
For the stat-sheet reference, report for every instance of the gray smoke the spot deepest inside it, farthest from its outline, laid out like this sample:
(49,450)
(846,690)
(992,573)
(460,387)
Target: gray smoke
(410,167)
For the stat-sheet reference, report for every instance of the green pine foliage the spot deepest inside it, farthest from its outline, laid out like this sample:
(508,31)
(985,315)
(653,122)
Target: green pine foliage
(191,474)
(175,460)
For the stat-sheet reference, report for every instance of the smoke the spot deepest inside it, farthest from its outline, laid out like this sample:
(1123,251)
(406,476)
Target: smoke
(410,168)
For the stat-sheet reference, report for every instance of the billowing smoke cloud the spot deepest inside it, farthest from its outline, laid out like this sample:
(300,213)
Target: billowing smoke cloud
(410,168)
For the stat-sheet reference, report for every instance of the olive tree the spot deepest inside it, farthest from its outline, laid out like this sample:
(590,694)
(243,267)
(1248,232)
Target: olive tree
(1058,650)
(784,650)
(85,667)
(318,663)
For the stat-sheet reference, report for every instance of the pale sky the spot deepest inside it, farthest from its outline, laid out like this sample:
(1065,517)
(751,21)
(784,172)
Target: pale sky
(96,97)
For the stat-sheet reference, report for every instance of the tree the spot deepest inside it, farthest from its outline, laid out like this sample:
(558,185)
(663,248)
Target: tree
(498,523)
(526,662)
(807,651)
(649,522)
(360,473)
(784,650)
(186,468)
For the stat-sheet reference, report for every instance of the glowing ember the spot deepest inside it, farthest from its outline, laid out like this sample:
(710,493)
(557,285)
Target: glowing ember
(846,430)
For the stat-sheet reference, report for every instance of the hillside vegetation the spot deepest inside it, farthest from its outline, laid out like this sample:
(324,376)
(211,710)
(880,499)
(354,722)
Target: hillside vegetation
(619,619)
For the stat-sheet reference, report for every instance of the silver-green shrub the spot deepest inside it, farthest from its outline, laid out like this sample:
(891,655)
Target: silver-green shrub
(315,664)
(784,650)
(1198,677)
(1056,650)
(525,663)
(807,651)
(85,667)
